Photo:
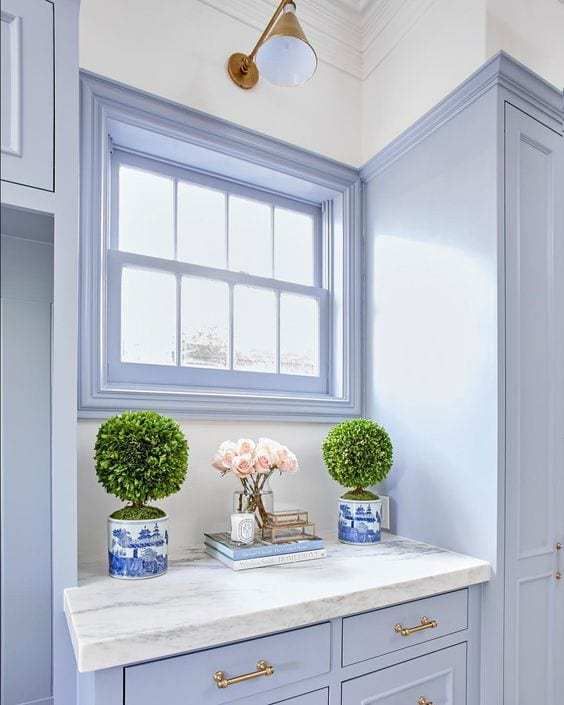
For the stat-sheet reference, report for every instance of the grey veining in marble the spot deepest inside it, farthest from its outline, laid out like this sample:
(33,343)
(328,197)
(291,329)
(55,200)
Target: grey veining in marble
(201,603)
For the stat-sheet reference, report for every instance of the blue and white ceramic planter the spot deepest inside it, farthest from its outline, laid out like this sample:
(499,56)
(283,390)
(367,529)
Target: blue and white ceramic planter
(137,549)
(359,520)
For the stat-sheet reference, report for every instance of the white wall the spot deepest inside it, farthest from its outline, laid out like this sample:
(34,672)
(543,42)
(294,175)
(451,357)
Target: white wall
(445,45)
(178,49)
(449,41)
(205,499)
(532,31)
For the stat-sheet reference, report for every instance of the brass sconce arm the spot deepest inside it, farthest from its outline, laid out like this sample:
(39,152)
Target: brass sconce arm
(241,67)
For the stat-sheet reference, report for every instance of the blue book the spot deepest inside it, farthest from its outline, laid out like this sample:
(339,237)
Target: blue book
(236,552)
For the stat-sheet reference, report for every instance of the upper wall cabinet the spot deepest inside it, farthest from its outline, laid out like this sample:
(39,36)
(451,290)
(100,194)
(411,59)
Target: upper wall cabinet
(27,71)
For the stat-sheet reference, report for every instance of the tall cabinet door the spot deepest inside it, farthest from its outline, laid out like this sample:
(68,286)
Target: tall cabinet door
(534,617)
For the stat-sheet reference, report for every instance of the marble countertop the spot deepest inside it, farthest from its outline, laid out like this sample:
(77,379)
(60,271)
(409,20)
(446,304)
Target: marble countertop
(201,603)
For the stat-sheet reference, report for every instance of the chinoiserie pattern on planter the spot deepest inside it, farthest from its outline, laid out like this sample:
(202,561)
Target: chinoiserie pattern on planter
(359,522)
(137,549)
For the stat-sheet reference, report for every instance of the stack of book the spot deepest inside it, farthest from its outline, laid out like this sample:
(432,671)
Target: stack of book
(263,553)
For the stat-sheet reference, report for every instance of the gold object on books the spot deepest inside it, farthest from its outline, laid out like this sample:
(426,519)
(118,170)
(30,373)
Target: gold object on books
(263,669)
(288,525)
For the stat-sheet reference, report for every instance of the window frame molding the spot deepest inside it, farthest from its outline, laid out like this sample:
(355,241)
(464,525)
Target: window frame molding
(201,377)
(105,104)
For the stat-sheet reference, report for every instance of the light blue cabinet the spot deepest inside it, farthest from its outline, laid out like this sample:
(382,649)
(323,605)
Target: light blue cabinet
(465,350)
(438,678)
(295,656)
(27,83)
(534,616)
(27,274)
(353,660)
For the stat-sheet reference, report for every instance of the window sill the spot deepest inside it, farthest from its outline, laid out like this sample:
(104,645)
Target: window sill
(209,404)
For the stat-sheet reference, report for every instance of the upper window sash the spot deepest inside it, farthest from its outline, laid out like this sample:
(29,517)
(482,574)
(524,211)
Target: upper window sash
(120,157)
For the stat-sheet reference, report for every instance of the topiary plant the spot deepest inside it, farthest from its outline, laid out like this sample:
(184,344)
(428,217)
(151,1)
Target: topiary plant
(140,456)
(358,453)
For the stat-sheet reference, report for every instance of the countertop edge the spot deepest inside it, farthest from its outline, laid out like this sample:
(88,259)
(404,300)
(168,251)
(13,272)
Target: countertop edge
(96,655)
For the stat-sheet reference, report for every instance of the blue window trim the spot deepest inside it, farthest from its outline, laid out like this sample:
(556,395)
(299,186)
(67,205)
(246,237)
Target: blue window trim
(139,126)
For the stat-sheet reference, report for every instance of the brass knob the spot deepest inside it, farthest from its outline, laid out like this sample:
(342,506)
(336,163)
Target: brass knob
(559,546)
(423,701)
(558,575)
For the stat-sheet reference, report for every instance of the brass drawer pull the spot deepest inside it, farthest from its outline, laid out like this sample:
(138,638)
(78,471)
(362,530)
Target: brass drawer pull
(423,701)
(425,623)
(263,669)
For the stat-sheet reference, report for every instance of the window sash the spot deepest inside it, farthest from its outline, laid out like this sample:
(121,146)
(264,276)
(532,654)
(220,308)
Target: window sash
(207,379)
(121,157)
(204,377)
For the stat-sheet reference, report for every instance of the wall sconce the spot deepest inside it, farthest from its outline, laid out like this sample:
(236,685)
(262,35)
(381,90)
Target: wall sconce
(282,54)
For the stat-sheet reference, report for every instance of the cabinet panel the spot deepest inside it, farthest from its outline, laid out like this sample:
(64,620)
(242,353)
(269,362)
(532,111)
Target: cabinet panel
(318,697)
(535,418)
(372,634)
(26,479)
(438,678)
(27,87)
(189,679)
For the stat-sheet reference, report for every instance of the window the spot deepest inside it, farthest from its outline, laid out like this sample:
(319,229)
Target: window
(212,284)
(220,269)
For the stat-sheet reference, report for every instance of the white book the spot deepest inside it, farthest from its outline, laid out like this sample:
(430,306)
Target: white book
(264,561)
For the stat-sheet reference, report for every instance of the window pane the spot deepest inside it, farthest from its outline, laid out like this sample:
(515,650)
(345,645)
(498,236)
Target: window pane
(299,335)
(205,323)
(145,217)
(255,329)
(148,317)
(293,235)
(250,237)
(201,225)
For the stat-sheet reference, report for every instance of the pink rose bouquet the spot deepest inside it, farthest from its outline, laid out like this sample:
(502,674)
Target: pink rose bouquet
(253,463)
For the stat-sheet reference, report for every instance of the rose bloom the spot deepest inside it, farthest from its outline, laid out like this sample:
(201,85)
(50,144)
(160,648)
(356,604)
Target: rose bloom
(263,460)
(243,465)
(245,445)
(286,461)
(217,462)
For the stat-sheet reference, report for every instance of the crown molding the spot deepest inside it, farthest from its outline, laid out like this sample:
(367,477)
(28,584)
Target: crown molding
(354,36)
(501,71)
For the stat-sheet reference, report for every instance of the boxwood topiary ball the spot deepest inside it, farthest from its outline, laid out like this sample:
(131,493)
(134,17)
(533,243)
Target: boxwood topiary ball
(358,453)
(141,456)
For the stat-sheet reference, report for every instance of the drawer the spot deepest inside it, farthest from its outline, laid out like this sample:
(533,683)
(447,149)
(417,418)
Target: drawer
(438,679)
(189,679)
(318,697)
(372,634)
(27,84)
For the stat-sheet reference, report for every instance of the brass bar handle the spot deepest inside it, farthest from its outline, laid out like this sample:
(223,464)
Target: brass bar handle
(263,669)
(425,623)
(423,701)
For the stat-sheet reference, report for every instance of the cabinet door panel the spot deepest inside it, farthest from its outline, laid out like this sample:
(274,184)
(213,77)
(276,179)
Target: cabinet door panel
(318,697)
(438,678)
(27,92)
(535,418)
(189,680)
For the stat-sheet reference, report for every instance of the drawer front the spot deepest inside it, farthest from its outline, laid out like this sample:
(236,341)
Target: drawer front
(318,697)
(189,680)
(435,679)
(372,634)
(27,92)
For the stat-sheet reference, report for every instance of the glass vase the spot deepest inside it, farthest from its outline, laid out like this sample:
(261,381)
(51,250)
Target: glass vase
(256,499)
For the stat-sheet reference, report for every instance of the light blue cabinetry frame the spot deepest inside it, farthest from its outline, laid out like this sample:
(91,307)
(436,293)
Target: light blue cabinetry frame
(310,663)
(465,251)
